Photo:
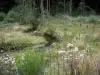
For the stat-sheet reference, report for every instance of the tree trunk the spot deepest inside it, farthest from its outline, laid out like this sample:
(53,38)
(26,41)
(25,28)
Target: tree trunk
(42,9)
(70,7)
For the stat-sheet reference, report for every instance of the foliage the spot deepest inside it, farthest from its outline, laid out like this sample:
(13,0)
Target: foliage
(15,43)
(30,63)
(2,16)
(12,16)
(87,19)
(17,40)
(24,13)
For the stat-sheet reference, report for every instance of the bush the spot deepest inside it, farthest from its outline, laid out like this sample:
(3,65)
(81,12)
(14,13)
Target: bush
(2,16)
(92,19)
(12,16)
(87,19)
(30,63)
(24,13)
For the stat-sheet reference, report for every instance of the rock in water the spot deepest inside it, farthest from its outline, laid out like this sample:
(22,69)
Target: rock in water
(2,51)
(51,38)
(35,26)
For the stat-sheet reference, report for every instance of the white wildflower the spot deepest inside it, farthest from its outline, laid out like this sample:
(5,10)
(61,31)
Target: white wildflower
(61,52)
(2,51)
(66,58)
(81,55)
(6,58)
(69,45)
(13,62)
(76,58)
(6,62)
(70,55)
(76,49)
(73,50)
(23,55)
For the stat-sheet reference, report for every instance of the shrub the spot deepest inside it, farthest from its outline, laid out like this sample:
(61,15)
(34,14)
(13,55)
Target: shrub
(12,16)
(2,16)
(92,19)
(23,13)
(30,63)
(87,19)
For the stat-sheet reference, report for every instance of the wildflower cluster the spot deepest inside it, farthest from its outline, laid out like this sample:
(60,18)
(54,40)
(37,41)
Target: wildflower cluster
(7,65)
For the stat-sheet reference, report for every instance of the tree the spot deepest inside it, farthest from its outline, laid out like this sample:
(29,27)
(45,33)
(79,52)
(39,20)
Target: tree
(42,9)
(70,7)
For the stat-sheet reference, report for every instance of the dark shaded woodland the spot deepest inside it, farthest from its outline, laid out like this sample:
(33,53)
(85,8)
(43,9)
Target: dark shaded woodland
(6,5)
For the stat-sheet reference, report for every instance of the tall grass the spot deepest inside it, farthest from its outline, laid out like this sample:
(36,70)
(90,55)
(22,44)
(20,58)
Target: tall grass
(30,63)
(73,63)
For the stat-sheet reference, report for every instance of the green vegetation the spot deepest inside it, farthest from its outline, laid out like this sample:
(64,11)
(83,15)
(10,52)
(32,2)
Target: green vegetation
(40,41)
(30,63)
(2,16)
